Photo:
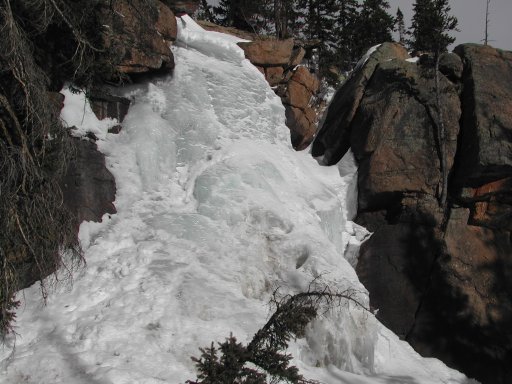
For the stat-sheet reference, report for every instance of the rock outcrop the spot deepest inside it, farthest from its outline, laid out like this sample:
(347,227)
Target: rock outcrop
(268,53)
(106,105)
(89,188)
(139,36)
(486,143)
(333,140)
(440,276)
(279,61)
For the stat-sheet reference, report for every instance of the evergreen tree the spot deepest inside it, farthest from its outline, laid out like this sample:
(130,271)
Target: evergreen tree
(400,26)
(285,17)
(320,24)
(431,23)
(246,15)
(267,350)
(430,26)
(346,23)
(486,35)
(375,25)
(205,12)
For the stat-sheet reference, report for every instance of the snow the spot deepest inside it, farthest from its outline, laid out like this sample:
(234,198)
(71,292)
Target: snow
(362,61)
(215,211)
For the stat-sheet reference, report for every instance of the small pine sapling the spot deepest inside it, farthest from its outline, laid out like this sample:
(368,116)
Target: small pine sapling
(266,351)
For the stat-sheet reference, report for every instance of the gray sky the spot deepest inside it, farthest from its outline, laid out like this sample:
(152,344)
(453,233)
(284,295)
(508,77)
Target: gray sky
(471,16)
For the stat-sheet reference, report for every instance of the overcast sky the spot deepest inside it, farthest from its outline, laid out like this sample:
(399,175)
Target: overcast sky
(471,16)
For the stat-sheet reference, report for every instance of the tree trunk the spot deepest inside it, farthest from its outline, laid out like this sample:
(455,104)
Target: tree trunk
(441,137)
(486,39)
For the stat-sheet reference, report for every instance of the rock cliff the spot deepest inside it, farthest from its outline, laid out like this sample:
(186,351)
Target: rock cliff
(439,277)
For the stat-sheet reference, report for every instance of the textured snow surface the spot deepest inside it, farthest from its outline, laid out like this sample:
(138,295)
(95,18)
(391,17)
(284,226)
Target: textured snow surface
(215,210)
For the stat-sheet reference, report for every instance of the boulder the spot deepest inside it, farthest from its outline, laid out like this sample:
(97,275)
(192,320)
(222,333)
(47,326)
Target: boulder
(486,142)
(139,35)
(451,66)
(302,124)
(297,95)
(394,136)
(88,187)
(302,76)
(302,86)
(105,105)
(333,139)
(268,52)
(166,24)
(438,275)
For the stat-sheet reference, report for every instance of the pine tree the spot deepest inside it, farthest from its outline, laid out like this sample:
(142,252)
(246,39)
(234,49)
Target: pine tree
(431,24)
(241,14)
(400,26)
(205,12)
(486,35)
(346,23)
(320,22)
(267,349)
(375,25)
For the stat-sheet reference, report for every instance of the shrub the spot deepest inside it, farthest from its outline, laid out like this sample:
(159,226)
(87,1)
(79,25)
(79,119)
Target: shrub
(264,357)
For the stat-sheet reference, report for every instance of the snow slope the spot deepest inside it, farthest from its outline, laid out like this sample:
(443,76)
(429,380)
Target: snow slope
(215,210)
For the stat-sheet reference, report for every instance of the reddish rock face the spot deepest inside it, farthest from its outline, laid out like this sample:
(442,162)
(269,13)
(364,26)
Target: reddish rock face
(490,204)
(440,276)
(333,139)
(486,143)
(166,23)
(301,88)
(268,52)
(393,136)
(302,76)
(297,95)
(139,35)
(302,124)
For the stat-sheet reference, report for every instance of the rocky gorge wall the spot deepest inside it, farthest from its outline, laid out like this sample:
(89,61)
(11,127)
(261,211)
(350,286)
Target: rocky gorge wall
(138,35)
(89,188)
(135,38)
(441,278)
